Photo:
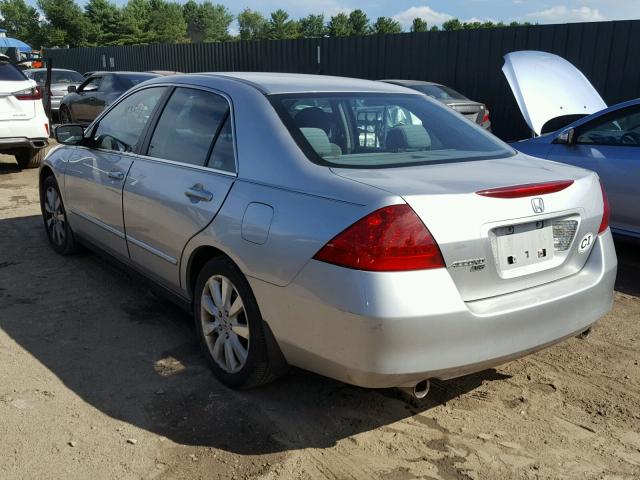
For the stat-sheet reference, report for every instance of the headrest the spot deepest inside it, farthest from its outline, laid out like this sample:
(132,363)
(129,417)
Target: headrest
(313,117)
(408,137)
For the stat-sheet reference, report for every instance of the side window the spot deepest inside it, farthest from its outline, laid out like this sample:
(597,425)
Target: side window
(222,156)
(121,128)
(91,85)
(106,85)
(40,77)
(187,126)
(620,128)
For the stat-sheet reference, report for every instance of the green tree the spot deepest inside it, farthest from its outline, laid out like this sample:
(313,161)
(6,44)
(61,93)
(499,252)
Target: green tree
(453,24)
(207,22)
(434,28)
(166,23)
(22,21)
(252,25)
(358,23)
(312,26)
(281,27)
(135,15)
(105,22)
(65,23)
(339,25)
(386,25)
(419,25)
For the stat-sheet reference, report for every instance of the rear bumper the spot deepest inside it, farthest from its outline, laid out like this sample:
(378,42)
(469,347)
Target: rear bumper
(393,329)
(22,142)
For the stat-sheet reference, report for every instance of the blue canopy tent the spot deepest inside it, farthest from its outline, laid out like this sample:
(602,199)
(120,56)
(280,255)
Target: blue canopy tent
(13,43)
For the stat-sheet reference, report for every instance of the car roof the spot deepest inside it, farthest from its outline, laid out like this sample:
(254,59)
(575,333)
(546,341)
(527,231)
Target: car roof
(101,72)
(274,83)
(409,82)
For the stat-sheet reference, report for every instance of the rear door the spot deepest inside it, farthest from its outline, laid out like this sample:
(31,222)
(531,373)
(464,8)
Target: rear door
(177,189)
(610,145)
(95,176)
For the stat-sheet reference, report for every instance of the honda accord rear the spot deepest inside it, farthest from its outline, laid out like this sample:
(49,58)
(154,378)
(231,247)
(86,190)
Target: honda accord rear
(482,256)
(357,229)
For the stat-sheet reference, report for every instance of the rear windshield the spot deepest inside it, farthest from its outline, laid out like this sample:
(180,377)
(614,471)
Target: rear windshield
(440,92)
(9,71)
(383,130)
(58,76)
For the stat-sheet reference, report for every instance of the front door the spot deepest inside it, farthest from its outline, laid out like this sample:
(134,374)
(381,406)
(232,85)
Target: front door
(81,107)
(177,190)
(610,145)
(94,178)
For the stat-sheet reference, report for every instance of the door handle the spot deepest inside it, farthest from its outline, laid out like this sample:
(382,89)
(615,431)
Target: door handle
(116,175)
(197,193)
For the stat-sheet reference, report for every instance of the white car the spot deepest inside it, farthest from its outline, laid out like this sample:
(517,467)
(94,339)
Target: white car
(24,126)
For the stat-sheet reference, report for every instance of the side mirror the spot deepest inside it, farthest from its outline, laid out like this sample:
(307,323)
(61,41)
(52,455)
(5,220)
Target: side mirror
(71,88)
(567,137)
(69,134)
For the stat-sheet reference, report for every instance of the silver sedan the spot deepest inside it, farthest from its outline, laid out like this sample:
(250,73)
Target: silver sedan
(356,229)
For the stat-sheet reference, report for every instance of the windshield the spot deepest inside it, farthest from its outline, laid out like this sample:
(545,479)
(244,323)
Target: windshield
(58,76)
(440,92)
(381,130)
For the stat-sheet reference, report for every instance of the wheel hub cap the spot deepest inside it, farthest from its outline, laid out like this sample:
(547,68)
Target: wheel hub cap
(224,323)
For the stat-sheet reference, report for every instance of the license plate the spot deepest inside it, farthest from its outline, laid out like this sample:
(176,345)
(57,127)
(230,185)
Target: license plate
(523,245)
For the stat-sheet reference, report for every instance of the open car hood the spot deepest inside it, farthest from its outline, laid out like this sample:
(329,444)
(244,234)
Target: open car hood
(547,86)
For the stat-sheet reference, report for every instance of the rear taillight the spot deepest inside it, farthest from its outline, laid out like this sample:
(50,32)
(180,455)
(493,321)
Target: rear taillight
(390,239)
(527,190)
(29,94)
(46,128)
(485,117)
(606,210)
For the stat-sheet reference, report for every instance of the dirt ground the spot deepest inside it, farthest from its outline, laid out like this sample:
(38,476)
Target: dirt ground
(102,379)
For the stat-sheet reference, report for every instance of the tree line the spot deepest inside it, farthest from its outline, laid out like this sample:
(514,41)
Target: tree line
(63,23)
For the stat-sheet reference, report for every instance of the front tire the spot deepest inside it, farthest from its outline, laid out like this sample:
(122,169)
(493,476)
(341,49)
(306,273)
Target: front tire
(64,115)
(55,218)
(230,328)
(30,157)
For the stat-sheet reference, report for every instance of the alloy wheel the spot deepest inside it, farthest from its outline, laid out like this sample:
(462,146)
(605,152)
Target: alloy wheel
(54,216)
(224,323)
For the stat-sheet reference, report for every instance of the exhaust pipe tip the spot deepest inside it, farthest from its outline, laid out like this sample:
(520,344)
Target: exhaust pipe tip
(418,391)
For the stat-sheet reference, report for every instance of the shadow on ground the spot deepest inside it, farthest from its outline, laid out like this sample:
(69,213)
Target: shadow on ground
(133,356)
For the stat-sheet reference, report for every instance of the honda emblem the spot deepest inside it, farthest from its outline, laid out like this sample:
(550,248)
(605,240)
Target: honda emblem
(537,204)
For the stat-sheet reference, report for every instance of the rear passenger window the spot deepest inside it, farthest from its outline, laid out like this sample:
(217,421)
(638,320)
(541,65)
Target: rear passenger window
(222,157)
(187,126)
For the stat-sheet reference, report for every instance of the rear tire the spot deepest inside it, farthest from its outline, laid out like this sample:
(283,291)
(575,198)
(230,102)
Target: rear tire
(30,157)
(55,218)
(232,334)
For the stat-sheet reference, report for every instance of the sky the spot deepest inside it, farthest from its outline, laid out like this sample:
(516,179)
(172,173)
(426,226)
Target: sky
(438,11)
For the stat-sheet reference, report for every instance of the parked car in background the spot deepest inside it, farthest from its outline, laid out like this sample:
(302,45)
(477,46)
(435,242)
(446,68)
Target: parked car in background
(84,103)
(551,93)
(475,111)
(433,250)
(24,126)
(61,80)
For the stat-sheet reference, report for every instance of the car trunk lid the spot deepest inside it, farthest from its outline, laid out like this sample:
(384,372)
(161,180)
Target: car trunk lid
(493,246)
(473,111)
